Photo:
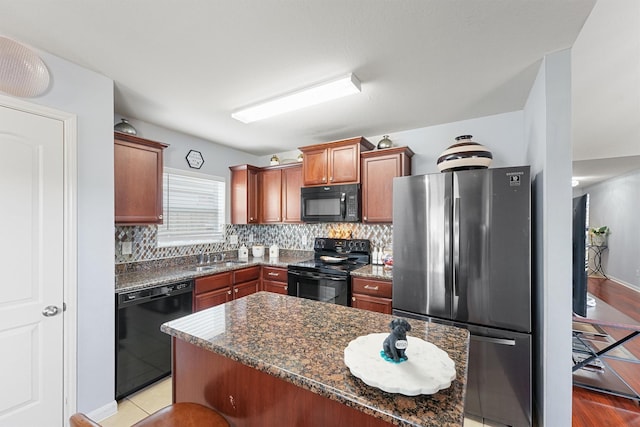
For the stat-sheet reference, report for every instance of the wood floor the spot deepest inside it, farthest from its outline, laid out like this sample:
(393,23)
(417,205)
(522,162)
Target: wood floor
(594,409)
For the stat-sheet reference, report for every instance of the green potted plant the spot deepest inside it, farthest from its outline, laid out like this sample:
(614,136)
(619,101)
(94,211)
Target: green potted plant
(599,235)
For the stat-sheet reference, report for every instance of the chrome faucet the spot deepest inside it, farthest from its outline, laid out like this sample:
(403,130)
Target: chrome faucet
(203,258)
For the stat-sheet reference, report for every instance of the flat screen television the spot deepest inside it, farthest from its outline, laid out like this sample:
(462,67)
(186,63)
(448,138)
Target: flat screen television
(580,226)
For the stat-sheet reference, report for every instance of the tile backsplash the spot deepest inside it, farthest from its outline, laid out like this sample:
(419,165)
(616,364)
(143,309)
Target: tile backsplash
(286,236)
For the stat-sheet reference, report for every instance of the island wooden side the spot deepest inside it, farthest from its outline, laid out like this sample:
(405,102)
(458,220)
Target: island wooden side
(248,397)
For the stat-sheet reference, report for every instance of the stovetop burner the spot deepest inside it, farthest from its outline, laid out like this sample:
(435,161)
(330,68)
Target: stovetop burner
(340,256)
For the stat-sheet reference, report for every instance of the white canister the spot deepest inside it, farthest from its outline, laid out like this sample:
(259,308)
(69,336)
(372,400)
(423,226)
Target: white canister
(243,253)
(274,251)
(257,251)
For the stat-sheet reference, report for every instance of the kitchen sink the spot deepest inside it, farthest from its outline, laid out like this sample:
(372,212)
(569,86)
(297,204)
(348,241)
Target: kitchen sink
(216,265)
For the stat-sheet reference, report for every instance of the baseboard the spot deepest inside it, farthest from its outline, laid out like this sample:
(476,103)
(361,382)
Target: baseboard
(623,283)
(104,412)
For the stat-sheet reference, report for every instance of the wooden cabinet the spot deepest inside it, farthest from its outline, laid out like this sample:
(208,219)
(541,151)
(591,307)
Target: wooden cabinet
(246,281)
(278,194)
(371,294)
(333,163)
(291,184)
(219,288)
(274,279)
(212,290)
(378,170)
(138,180)
(244,194)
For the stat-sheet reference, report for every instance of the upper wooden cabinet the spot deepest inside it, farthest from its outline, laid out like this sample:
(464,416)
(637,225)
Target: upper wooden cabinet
(291,184)
(138,180)
(280,193)
(335,162)
(244,194)
(378,170)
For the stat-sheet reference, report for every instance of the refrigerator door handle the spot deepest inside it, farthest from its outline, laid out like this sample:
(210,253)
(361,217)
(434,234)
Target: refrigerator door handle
(493,340)
(456,248)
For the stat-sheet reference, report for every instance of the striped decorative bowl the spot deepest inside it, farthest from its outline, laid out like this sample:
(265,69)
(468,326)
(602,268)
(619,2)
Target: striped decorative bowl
(464,154)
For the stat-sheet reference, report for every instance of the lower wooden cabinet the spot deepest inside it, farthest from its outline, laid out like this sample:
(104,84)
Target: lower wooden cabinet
(274,279)
(371,294)
(219,288)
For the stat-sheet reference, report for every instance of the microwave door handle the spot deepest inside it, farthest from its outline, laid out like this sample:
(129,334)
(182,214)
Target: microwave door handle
(343,205)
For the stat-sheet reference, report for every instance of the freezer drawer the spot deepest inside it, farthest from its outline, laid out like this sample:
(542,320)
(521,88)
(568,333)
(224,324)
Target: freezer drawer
(499,376)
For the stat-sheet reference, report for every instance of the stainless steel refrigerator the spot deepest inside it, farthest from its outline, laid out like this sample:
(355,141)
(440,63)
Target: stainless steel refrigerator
(462,256)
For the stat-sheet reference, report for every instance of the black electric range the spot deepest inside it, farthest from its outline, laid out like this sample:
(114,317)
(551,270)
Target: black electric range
(327,276)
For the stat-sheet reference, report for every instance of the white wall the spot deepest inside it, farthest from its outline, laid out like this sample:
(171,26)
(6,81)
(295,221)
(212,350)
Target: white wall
(90,96)
(616,203)
(547,134)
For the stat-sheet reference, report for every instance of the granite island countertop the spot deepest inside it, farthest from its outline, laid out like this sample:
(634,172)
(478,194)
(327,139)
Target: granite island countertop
(247,331)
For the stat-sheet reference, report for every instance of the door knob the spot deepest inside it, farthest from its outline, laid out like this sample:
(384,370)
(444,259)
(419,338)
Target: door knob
(50,310)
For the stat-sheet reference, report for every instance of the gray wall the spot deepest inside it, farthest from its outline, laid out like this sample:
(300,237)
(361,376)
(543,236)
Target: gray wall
(90,96)
(547,134)
(616,203)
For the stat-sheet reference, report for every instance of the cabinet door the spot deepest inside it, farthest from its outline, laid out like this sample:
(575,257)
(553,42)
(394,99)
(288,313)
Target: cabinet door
(344,165)
(271,196)
(244,289)
(246,274)
(211,299)
(314,166)
(274,274)
(291,184)
(378,170)
(275,287)
(214,281)
(366,302)
(244,194)
(252,197)
(137,180)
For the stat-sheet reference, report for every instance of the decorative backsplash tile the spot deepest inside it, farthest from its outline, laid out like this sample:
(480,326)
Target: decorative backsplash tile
(286,236)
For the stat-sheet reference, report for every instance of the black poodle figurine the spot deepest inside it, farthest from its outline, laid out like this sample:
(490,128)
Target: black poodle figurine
(395,344)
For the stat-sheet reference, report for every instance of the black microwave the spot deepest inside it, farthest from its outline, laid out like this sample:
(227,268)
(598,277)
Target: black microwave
(333,203)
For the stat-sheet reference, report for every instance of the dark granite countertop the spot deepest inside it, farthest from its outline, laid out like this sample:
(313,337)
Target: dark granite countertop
(159,276)
(247,330)
(374,272)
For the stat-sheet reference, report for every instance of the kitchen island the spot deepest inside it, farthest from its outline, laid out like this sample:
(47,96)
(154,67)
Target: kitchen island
(275,360)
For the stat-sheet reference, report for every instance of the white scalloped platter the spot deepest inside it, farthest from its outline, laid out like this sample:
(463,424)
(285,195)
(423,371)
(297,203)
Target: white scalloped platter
(427,370)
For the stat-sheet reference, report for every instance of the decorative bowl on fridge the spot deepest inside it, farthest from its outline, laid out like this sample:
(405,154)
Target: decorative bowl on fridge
(464,154)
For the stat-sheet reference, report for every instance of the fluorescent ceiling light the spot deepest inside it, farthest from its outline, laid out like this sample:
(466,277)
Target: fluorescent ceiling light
(316,94)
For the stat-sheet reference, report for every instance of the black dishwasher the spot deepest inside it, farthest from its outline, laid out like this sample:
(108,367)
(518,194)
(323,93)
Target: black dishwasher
(143,352)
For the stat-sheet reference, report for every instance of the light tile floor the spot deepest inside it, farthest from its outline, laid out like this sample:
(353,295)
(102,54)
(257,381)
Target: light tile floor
(141,404)
(145,402)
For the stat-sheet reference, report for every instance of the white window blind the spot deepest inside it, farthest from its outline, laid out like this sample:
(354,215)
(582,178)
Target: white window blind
(193,208)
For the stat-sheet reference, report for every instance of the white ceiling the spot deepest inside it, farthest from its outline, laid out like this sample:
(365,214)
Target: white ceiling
(187,65)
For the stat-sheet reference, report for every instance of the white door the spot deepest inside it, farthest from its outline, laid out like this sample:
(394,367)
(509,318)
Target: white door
(31,260)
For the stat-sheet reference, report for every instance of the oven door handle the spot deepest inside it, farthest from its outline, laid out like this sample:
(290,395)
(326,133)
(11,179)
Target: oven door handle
(317,276)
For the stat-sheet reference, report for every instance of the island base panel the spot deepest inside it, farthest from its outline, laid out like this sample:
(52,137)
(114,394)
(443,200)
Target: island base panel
(249,397)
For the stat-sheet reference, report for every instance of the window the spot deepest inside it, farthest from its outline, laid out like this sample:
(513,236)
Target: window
(193,208)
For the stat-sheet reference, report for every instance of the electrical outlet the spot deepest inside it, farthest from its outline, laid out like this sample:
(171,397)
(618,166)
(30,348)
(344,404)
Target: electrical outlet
(127,248)
(233,239)
(250,237)
(304,240)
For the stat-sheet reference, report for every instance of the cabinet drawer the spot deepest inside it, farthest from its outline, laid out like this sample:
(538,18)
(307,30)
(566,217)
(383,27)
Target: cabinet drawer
(246,274)
(274,274)
(376,288)
(215,281)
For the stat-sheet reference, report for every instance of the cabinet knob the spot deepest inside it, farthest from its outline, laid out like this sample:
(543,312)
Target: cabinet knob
(324,178)
(236,291)
(365,218)
(159,216)
(228,292)
(286,288)
(353,298)
(331,179)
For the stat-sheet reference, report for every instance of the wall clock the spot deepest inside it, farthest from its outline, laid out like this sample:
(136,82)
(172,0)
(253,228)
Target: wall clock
(194,158)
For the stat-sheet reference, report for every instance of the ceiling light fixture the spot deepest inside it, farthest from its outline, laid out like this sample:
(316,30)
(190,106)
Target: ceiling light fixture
(575,182)
(316,94)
